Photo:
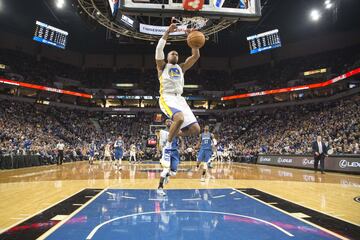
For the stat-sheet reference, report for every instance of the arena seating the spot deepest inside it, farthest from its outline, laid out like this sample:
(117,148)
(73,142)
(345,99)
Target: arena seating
(272,75)
(34,130)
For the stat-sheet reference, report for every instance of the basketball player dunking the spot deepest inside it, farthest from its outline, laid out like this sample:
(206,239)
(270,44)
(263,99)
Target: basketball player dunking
(171,77)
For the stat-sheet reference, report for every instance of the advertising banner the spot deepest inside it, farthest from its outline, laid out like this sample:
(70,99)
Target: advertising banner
(159,30)
(332,163)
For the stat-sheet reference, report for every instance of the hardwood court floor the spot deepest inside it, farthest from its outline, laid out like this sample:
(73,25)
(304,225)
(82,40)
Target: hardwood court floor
(24,192)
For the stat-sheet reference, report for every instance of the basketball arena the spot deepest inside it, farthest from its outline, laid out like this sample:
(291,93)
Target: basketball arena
(180,119)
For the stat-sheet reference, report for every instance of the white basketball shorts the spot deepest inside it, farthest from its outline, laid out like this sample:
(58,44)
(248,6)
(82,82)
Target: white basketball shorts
(171,104)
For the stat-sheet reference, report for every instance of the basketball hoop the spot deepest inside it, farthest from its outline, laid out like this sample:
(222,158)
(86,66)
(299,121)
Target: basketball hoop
(195,23)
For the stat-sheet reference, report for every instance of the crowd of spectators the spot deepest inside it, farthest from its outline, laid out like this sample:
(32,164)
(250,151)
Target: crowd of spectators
(292,130)
(273,74)
(28,129)
(278,74)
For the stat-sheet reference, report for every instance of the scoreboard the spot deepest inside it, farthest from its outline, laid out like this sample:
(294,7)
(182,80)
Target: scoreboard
(50,35)
(264,41)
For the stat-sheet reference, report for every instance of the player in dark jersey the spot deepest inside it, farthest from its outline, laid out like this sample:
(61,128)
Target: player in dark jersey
(119,150)
(92,149)
(169,161)
(206,141)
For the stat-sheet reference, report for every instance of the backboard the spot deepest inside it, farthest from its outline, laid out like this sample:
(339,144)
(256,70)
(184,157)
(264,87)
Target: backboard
(243,10)
(149,19)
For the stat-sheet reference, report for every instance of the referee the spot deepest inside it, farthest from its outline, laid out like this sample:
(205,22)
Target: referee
(60,148)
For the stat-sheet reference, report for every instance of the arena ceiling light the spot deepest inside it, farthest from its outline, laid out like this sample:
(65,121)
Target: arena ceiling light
(60,4)
(315,15)
(329,5)
(125,85)
(2,6)
(191,86)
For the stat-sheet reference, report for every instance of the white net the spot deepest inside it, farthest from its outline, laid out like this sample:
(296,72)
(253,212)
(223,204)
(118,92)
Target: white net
(191,22)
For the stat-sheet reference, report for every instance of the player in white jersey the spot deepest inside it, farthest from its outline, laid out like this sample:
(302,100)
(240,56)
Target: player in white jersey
(171,77)
(132,153)
(107,152)
(169,162)
(220,151)
(164,133)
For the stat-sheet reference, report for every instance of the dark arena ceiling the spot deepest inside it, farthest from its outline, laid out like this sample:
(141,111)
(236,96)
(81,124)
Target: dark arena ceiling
(291,17)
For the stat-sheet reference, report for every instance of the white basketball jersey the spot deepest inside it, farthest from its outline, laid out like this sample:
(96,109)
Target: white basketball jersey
(172,79)
(133,148)
(163,137)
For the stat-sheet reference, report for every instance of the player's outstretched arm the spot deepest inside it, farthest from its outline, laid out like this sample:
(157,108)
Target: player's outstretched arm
(159,53)
(190,61)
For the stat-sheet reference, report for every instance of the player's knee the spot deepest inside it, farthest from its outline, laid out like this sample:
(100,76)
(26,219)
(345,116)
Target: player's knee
(205,166)
(179,117)
(195,129)
(164,172)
